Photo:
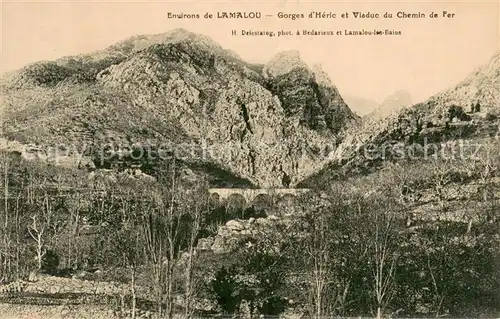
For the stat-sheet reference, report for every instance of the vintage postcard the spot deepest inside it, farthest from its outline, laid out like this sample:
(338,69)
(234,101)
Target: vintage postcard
(249,159)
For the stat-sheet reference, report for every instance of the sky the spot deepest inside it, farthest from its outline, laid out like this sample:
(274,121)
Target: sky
(430,55)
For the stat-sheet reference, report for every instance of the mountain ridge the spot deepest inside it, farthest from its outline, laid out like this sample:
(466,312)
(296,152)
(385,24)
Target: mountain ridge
(445,116)
(181,88)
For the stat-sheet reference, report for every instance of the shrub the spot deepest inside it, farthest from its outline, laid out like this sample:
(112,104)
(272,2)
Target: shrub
(491,117)
(50,262)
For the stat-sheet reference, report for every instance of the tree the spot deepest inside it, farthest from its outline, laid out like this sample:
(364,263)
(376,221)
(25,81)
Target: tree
(385,253)
(170,226)
(196,203)
(39,228)
(5,254)
(320,254)
(253,279)
(352,231)
(484,162)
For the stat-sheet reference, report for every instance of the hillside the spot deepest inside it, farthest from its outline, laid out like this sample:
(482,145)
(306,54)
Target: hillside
(359,105)
(482,85)
(367,108)
(446,116)
(181,90)
(393,103)
(440,150)
(107,161)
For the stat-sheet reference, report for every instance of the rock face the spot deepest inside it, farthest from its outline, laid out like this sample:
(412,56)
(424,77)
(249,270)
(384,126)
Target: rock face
(241,234)
(391,104)
(269,124)
(283,63)
(446,116)
(482,85)
(359,105)
(307,95)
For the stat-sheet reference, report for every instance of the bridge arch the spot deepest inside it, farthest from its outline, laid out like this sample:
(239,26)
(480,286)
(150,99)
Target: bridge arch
(214,199)
(286,199)
(235,201)
(262,201)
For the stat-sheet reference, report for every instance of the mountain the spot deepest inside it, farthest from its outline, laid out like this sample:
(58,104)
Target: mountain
(444,118)
(368,108)
(182,93)
(359,105)
(392,103)
(482,85)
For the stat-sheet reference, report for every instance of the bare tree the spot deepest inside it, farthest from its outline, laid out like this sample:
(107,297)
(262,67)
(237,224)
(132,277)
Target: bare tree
(484,162)
(319,252)
(198,204)
(328,286)
(384,257)
(153,237)
(5,253)
(163,236)
(39,228)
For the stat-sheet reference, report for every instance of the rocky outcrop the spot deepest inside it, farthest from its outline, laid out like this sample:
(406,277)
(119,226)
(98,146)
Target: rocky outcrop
(241,234)
(283,63)
(259,133)
(482,85)
(447,116)
(391,104)
(307,95)
(60,285)
(271,125)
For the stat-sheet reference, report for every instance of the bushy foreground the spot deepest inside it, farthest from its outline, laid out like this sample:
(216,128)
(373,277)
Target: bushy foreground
(355,250)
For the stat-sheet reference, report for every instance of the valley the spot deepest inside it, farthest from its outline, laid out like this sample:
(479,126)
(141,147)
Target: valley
(165,177)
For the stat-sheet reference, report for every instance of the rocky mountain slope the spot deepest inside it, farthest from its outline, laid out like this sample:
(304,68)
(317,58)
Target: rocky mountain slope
(269,124)
(392,103)
(368,109)
(359,105)
(444,117)
(482,85)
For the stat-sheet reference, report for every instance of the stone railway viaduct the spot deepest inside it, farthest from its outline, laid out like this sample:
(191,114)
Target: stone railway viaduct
(249,194)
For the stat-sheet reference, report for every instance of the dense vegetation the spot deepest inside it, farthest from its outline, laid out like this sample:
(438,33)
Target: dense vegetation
(360,248)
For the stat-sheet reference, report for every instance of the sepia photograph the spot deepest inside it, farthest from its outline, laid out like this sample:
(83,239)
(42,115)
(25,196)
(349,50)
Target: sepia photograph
(239,159)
